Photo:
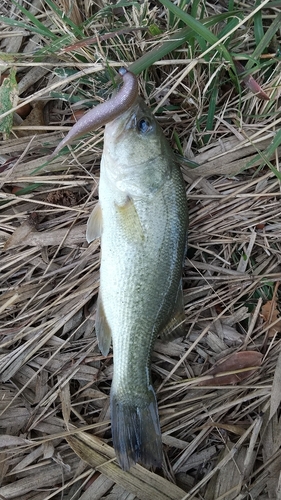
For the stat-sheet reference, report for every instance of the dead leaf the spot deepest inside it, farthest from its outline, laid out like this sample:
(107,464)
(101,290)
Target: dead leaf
(27,235)
(65,400)
(95,39)
(227,484)
(98,486)
(275,399)
(34,118)
(270,447)
(223,474)
(7,440)
(45,477)
(64,197)
(20,236)
(8,99)
(234,369)
(270,315)
(138,480)
(24,111)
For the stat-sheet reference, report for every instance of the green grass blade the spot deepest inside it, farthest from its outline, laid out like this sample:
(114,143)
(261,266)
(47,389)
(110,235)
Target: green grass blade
(194,8)
(265,41)
(42,30)
(211,109)
(28,189)
(198,28)
(267,153)
(55,46)
(28,27)
(258,26)
(107,11)
(175,41)
(76,30)
(231,24)
(161,51)
(178,143)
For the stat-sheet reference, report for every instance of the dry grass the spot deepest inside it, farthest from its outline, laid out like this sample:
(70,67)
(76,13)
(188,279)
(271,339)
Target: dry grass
(221,442)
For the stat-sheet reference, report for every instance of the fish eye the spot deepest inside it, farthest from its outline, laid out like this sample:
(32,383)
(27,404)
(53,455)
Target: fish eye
(144,125)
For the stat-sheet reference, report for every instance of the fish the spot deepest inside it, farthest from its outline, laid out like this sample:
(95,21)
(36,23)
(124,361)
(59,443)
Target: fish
(142,220)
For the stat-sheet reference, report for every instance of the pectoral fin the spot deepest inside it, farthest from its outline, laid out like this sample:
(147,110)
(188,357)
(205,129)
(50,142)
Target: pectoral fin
(102,328)
(129,220)
(94,224)
(175,327)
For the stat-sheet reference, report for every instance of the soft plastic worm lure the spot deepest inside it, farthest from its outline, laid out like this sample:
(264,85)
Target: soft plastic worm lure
(105,112)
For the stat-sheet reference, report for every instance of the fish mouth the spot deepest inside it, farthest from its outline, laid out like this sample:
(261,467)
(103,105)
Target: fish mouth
(129,124)
(126,121)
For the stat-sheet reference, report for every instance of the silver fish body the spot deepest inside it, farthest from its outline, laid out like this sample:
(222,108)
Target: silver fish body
(142,218)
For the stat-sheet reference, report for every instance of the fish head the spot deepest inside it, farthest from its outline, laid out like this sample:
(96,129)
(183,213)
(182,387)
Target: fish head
(136,155)
(134,135)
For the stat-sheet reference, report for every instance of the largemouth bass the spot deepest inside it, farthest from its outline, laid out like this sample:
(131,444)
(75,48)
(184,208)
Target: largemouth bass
(142,220)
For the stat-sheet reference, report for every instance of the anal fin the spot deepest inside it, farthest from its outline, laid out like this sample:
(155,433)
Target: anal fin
(103,330)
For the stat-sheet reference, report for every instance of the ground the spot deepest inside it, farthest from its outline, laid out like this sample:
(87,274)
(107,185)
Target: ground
(218,385)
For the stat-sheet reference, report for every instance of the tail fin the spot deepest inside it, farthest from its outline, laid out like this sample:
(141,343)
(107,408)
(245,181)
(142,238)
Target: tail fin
(136,430)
